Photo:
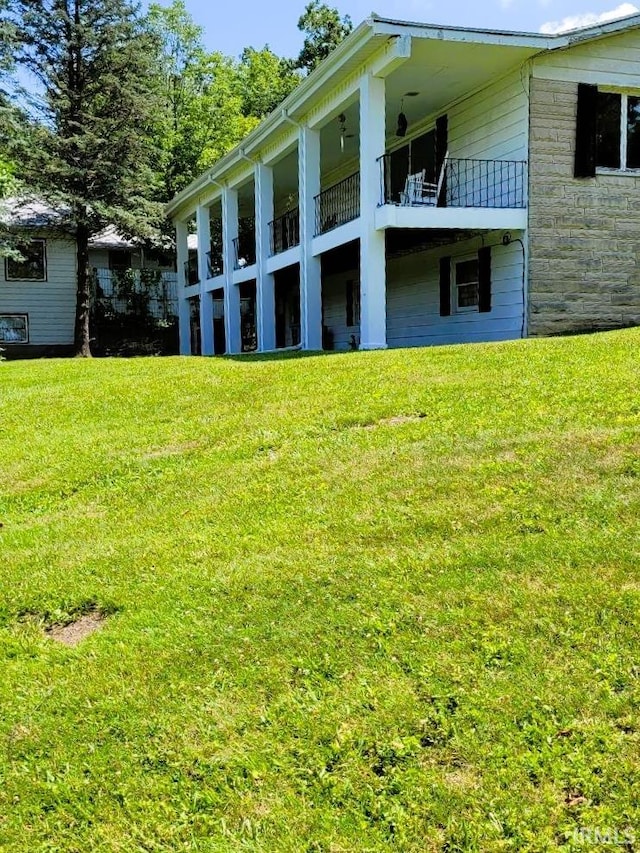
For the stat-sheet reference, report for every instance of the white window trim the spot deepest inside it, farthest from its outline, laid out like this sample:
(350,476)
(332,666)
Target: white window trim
(623,170)
(42,240)
(469,309)
(26,327)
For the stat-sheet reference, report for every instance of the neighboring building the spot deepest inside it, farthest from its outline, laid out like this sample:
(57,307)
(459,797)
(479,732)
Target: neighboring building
(426,185)
(38,294)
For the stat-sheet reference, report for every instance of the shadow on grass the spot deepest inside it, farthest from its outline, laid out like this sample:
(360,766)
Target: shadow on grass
(287,355)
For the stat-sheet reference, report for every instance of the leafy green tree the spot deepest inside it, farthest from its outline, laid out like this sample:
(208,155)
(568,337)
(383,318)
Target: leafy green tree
(266,79)
(211,101)
(90,145)
(324,30)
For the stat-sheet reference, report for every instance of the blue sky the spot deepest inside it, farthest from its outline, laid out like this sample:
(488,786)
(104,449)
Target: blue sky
(230,26)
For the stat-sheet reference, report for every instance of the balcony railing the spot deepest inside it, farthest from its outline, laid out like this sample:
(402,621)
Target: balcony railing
(215,264)
(191,275)
(245,244)
(284,232)
(338,205)
(467,183)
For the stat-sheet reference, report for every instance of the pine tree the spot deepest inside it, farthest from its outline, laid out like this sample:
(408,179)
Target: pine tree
(90,147)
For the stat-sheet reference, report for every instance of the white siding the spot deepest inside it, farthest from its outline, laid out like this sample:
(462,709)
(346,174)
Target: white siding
(613,61)
(50,304)
(413,299)
(493,124)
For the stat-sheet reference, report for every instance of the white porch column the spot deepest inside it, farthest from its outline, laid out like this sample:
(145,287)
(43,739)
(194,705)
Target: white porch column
(231,290)
(265,285)
(203,225)
(310,278)
(184,317)
(373,307)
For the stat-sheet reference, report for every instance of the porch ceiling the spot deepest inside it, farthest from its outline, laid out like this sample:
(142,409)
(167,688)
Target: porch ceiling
(443,72)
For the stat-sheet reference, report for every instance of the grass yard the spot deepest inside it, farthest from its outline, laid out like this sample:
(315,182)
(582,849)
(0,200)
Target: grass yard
(361,602)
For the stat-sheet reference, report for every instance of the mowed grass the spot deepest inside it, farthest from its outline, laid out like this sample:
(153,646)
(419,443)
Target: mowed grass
(359,602)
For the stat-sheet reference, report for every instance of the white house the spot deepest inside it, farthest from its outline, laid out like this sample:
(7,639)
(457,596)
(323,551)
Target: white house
(38,293)
(425,185)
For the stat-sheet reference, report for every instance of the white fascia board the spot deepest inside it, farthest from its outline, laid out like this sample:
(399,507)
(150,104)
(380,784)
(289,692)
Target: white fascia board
(337,237)
(472,218)
(216,283)
(284,259)
(244,274)
(599,31)
(535,41)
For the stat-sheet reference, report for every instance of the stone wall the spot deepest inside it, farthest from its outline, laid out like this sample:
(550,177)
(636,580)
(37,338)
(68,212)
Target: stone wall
(584,234)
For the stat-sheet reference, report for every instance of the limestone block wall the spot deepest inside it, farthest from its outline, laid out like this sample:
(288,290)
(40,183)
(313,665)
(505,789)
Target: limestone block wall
(584,234)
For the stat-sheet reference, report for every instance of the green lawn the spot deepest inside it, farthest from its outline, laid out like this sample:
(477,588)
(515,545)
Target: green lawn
(361,602)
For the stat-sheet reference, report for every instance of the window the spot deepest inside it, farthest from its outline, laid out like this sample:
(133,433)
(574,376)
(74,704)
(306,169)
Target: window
(119,259)
(617,131)
(14,329)
(353,303)
(466,285)
(32,267)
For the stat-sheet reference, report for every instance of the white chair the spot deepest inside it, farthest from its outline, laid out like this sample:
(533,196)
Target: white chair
(417,191)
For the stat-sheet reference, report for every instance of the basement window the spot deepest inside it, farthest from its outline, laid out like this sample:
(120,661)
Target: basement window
(14,329)
(466,285)
(32,267)
(618,131)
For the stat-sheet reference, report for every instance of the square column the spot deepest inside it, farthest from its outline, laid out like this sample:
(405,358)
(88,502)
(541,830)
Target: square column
(203,225)
(265,284)
(184,316)
(310,277)
(231,291)
(373,295)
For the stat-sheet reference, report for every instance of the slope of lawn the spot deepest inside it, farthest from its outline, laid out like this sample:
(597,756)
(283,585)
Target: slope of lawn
(359,602)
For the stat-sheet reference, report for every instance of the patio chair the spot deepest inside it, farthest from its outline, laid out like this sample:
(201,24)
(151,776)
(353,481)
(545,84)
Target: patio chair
(417,191)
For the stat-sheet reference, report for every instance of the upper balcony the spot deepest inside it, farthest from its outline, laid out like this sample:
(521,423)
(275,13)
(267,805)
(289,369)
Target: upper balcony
(338,205)
(468,193)
(460,183)
(465,193)
(284,232)
(245,243)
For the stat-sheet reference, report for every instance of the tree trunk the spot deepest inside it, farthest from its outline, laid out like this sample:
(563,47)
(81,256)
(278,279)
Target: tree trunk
(83,294)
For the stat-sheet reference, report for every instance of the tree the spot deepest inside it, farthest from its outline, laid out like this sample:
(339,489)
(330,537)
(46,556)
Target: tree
(324,29)
(89,149)
(266,79)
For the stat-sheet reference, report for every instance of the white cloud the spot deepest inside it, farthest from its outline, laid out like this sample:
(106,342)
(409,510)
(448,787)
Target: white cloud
(588,19)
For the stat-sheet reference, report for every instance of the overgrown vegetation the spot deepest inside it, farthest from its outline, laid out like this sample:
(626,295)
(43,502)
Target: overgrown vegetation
(361,602)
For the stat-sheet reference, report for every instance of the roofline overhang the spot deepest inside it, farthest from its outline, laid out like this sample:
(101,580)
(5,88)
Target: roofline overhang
(293,105)
(377,29)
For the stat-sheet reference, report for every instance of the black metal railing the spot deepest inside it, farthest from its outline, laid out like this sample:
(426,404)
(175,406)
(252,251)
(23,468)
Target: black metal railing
(245,244)
(284,232)
(465,183)
(191,275)
(338,204)
(215,263)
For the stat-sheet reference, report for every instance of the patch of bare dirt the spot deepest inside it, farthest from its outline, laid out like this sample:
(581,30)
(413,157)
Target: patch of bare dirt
(172,450)
(397,420)
(75,632)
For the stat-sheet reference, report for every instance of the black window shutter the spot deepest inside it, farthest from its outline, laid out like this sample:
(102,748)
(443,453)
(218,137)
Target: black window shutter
(349,303)
(484,279)
(442,146)
(585,162)
(445,287)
